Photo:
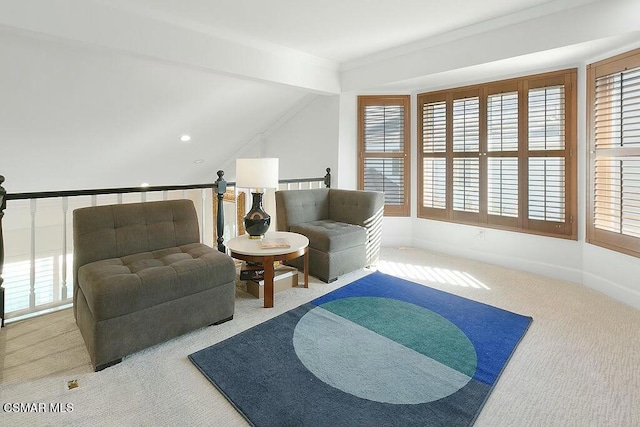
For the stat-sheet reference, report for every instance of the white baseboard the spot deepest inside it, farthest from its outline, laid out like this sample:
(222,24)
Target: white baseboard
(531,266)
(602,285)
(612,289)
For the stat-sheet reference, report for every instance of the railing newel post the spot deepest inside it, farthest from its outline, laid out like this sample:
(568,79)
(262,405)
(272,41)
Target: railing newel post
(221,188)
(327,178)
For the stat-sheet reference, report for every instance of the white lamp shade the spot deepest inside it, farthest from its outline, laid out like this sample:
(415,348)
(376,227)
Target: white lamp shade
(257,173)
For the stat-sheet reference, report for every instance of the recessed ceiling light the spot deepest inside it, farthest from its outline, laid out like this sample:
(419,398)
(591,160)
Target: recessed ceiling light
(185,138)
(144,184)
(197,162)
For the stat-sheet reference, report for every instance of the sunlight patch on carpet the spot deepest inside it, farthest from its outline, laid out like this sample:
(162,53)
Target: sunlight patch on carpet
(431,274)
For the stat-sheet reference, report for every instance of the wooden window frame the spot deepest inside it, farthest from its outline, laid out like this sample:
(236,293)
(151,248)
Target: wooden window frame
(626,244)
(405,101)
(567,229)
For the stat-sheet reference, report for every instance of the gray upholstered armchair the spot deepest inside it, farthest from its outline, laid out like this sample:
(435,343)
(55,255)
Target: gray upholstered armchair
(343,227)
(141,277)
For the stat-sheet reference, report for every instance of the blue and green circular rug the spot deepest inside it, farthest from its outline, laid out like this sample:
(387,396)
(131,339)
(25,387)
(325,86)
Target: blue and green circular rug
(379,351)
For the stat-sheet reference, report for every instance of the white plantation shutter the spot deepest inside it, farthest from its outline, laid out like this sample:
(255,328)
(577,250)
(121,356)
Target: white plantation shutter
(500,154)
(433,161)
(434,178)
(502,151)
(384,145)
(384,128)
(502,122)
(546,189)
(466,184)
(546,135)
(466,125)
(502,187)
(466,142)
(434,140)
(615,153)
(386,175)
(434,130)
(546,118)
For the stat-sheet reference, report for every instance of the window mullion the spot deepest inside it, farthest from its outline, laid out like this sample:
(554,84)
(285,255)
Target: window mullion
(523,154)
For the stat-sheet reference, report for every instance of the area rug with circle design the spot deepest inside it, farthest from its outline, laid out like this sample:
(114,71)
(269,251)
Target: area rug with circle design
(378,351)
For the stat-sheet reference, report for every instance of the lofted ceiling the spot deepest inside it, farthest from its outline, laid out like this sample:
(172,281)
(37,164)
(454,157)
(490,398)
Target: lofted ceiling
(336,30)
(97,93)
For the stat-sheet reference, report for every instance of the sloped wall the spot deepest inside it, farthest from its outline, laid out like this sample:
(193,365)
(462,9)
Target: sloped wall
(308,143)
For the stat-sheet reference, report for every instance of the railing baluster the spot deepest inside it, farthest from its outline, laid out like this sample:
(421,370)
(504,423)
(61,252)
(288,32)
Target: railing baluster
(32,272)
(94,200)
(165,195)
(203,210)
(65,209)
(3,205)
(143,196)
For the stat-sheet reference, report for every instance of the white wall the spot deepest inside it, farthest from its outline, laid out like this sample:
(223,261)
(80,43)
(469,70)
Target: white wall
(612,273)
(307,143)
(348,145)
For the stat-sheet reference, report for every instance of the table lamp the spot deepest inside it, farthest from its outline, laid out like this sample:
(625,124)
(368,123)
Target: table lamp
(257,174)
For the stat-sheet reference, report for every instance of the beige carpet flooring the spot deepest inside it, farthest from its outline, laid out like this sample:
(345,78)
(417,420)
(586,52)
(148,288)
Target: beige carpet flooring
(578,365)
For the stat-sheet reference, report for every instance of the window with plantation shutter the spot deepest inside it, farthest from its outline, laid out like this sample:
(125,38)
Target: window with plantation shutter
(501,154)
(614,154)
(383,162)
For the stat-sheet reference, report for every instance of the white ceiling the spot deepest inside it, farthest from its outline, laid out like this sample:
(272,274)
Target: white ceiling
(96,93)
(336,30)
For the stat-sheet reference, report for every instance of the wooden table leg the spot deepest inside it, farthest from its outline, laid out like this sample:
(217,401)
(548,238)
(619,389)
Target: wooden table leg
(268,281)
(306,267)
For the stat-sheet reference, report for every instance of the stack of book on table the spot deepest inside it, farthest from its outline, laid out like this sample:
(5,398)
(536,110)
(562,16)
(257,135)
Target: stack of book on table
(274,242)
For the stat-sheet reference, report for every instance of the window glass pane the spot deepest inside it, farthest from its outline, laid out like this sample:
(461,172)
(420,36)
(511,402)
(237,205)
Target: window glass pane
(386,175)
(546,118)
(546,188)
(466,124)
(466,184)
(502,187)
(434,183)
(502,122)
(384,128)
(434,127)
